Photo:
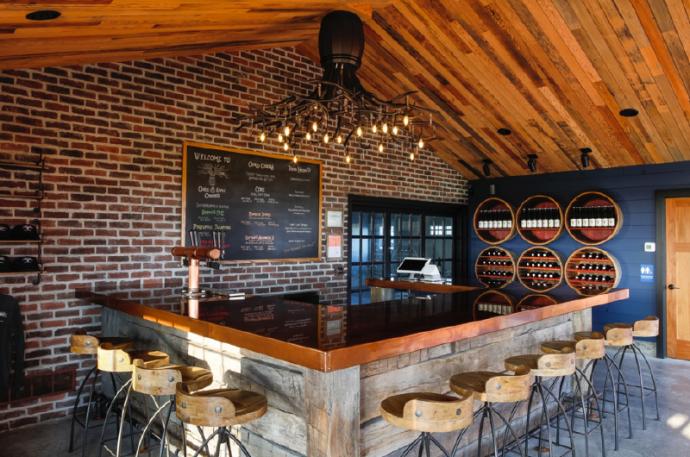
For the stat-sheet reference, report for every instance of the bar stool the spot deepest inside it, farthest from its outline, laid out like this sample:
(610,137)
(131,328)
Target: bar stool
(586,350)
(219,408)
(112,359)
(82,344)
(645,328)
(162,381)
(544,366)
(427,413)
(491,388)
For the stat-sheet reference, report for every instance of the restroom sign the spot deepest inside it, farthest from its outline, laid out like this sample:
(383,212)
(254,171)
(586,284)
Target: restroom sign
(646,272)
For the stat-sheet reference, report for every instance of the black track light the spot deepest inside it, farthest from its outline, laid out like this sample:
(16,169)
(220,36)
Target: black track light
(486,167)
(584,157)
(532,162)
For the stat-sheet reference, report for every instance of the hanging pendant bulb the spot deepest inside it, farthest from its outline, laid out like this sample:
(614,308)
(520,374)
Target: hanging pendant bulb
(348,159)
(395,130)
(308,136)
(421,143)
(280,137)
(326,138)
(286,131)
(286,146)
(406,120)
(294,159)
(374,129)
(380,147)
(384,128)
(315,126)
(262,137)
(339,139)
(411,155)
(359,131)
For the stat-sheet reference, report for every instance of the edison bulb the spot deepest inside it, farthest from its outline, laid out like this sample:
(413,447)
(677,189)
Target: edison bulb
(326,138)
(308,136)
(395,130)
(411,155)
(294,159)
(374,128)
(280,137)
(285,146)
(348,159)
(315,126)
(286,131)
(381,147)
(262,137)
(359,131)
(339,139)
(421,143)
(406,120)
(384,127)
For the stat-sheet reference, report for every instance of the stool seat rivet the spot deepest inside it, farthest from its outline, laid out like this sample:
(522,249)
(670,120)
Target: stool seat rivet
(418,413)
(171,378)
(219,409)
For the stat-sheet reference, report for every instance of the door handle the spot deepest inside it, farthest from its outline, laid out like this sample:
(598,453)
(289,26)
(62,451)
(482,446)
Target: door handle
(673,287)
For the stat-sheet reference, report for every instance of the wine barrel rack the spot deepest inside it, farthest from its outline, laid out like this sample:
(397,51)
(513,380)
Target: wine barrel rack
(495,267)
(539,220)
(534,301)
(592,271)
(492,303)
(593,218)
(494,221)
(540,269)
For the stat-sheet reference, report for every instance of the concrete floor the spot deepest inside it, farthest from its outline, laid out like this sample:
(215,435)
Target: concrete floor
(669,437)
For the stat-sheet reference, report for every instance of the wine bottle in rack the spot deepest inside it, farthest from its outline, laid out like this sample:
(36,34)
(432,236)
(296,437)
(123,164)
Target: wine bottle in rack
(611,216)
(592,217)
(598,220)
(573,216)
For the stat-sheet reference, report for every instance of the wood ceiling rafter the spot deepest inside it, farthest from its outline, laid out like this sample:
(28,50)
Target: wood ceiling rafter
(556,72)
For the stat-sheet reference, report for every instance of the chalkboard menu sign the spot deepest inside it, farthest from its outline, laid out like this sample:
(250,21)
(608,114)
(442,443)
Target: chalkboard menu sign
(252,206)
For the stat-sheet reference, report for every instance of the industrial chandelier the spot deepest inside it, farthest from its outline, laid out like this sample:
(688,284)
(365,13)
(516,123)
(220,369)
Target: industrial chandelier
(339,110)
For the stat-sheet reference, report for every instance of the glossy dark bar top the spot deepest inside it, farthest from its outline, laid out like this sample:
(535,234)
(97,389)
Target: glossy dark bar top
(331,331)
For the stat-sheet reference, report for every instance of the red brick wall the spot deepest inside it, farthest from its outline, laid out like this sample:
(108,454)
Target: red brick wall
(112,135)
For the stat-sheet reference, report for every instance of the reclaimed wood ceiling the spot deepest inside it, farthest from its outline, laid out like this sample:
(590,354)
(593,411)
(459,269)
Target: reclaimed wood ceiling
(555,72)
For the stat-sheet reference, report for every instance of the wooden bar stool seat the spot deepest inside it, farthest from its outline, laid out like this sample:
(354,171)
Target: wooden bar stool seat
(428,413)
(584,349)
(491,388)
(588,336)
(220,408)
(83,344)
(162,381)
(545,366)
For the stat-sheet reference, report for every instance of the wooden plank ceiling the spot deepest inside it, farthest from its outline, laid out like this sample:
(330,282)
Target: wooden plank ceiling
(555,72)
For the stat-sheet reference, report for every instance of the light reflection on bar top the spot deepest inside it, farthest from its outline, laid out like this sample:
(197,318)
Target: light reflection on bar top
(333,326)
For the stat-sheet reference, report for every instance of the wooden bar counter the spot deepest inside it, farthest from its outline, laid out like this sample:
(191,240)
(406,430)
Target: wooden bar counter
(325,368)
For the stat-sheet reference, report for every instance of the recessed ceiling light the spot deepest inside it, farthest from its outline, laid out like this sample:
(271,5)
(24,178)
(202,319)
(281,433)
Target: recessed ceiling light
(628,112)
(43,15)
(504,131)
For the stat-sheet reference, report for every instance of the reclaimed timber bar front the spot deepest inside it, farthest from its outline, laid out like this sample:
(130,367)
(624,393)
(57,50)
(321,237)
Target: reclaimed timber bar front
(323,368)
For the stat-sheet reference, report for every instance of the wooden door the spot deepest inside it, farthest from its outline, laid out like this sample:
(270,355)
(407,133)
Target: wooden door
(678,278)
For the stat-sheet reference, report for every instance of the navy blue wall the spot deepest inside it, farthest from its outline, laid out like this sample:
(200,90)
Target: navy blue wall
(634,190)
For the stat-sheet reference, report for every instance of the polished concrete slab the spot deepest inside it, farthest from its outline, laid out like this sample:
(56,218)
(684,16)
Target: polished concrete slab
(669,437)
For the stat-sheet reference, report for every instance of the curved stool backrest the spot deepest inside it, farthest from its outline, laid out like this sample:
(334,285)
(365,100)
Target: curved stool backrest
(647,327)
(619,336)
(203,410)
(509,388)
(164,380)
(551,365)
(113,359)
(590,349)
(438,416)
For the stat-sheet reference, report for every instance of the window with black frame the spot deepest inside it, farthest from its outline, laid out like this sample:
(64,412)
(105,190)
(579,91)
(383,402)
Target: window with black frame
(381,236)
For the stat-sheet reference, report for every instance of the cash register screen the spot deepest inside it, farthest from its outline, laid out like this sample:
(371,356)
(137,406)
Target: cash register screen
(412,265)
